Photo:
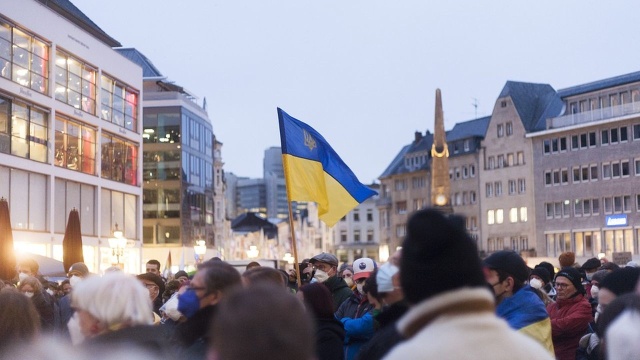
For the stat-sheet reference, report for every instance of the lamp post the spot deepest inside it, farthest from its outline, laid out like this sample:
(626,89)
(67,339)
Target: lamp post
(253,252)
(200,249)
(117,244)
(288,258)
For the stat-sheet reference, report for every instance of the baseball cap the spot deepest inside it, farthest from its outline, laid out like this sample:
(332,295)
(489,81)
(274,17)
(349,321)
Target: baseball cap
(362,268)
(78,269)
(325,258)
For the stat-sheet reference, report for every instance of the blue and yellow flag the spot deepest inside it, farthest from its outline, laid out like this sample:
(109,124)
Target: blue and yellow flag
(314,172)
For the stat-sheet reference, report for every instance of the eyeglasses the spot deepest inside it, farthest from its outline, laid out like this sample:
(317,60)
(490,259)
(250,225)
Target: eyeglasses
(561,285)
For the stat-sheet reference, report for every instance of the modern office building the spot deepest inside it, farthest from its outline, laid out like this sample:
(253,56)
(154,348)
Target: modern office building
(178,174)
(70,133)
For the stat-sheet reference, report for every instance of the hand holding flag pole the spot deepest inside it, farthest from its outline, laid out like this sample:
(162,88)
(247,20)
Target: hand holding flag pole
(313,171)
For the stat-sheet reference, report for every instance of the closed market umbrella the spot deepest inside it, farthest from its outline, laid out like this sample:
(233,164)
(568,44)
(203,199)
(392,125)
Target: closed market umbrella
(7,254)
(72,242)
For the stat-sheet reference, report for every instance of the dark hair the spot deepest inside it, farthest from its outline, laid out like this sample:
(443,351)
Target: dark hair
(621,281)
(154,262)
(171,287)
(253,264)
(503,275)
(317,298)
(31,264)
(624,302)
(263,274)
(19,319)
(261,322)
(219,276)
(549,267)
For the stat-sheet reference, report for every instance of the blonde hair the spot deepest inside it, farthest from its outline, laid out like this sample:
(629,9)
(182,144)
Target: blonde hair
(115,299)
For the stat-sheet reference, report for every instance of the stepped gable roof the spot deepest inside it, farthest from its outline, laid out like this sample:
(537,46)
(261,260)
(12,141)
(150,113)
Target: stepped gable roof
(69,11)
(534,103)
(468,129)
(600,84)
(148,69)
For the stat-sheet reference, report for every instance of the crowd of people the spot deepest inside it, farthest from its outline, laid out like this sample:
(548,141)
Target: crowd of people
(435,298)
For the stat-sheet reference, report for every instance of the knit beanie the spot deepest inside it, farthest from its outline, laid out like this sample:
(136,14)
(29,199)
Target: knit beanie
(599,275)
(621,281)
(574,276)
(567,259)
(542,273)
(438,256)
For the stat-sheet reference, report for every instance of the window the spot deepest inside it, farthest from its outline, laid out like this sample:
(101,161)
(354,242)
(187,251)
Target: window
(624,165)
(512,187)
(498,188)
(549,210)
(343,235)
(510,160)
(491,217)
(614,136)
(522,186)
(564,176)
(400,185)
(626,203)
(401,230)
(75,147)
(465,172)
(583,141)
(636,132)
(499,216)
(556,177)
(489,189)
(546,147)
(615,169)
(369,215)
(120,159)
(585,173)
(604,137)
(595,206)
(594,172)
(23,130)
(520,155)
(563,144)
(24,59)
(500,130)
(554,145)
(75,83)
(500,161)
(513,215)
(606,171)
(457,173)
(608,205)
(617,204)
(523,214)
(637,166)
(492,162)
(472,170)
(473,197)
(509,128)
(356,215)
(418,182)
(401,207)
(624,137)
(586,207)
(592,139)
(575,142)
(466,145)
(356,235)
(576,175)
(547,178)
(119,103)
(370,235)
(558,208)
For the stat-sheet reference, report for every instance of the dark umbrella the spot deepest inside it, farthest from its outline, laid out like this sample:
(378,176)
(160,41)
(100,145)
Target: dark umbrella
(72,242)
(7,255)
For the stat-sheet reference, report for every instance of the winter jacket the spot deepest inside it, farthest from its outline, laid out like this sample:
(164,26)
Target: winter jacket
(193,335)
(525,312)
(339,290)
(329,339)
(149,338)
(461,324)
(570,320)
(387,336)
(355,315)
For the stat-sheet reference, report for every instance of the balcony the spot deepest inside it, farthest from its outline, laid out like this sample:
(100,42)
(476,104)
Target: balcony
(383,202)
(594,115)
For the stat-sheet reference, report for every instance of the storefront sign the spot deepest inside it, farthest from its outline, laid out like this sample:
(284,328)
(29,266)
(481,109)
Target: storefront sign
(616,220)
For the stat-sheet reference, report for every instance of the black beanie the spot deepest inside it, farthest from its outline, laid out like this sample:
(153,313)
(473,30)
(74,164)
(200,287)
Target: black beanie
(437,256)
(542,273)
(621,281)
(574,276)
(591,264)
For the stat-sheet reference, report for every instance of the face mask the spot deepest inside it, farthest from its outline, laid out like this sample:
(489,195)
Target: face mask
(321,276)
(188,303)
(74,330)
(50,292)
(74,280)
(22,276)
(171,308)
(594,291)
(535,283)
(349,281)
(589,276)
(28,294)
(359,287)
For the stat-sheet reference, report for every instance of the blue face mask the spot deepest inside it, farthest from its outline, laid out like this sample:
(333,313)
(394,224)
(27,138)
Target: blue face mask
(188,303)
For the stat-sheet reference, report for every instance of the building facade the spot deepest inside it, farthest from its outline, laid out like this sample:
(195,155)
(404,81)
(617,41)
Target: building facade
(70,133)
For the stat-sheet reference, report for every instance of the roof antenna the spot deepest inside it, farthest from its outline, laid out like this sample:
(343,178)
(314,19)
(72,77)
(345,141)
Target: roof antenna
(475,105)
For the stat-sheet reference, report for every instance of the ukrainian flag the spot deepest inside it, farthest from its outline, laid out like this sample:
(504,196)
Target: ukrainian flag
(314,172)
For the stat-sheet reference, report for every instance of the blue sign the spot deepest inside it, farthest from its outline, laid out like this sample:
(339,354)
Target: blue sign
(616,220)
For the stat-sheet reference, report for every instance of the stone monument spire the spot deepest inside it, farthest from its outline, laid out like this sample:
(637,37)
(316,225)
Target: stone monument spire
(440,182)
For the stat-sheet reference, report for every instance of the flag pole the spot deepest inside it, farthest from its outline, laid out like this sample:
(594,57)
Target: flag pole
(294,245)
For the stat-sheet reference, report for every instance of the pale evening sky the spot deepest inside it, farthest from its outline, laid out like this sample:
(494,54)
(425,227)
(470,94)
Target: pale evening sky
(364,73)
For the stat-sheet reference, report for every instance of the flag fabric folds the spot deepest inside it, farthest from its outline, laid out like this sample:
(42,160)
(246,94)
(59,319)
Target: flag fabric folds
(314,171)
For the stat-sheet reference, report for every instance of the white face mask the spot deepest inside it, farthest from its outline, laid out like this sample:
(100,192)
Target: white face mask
(359,287)
(74,330)
(74,280)
(28,294)
(170,308)
(594,291)
(321,276)
(50,292)
(22,276)
(349,281)
(535,283)
(589,276)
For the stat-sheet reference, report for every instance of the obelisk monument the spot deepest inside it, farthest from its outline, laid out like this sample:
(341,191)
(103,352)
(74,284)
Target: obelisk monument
(440,182)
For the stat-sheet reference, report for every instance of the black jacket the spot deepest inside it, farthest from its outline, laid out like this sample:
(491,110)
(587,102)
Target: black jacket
(339,289)
(149,338)
(329,339)
(387,335)
(192,335)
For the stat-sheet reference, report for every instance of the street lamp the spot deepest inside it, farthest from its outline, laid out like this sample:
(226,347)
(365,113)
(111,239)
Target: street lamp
(288,258)
(200,249)
(253,252)
(117,244)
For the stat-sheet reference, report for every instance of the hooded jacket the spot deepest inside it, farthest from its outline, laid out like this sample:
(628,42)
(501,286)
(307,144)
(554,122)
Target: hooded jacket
(570,320)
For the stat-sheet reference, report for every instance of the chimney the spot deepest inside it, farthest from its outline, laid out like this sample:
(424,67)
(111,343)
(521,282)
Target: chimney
(418,136)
